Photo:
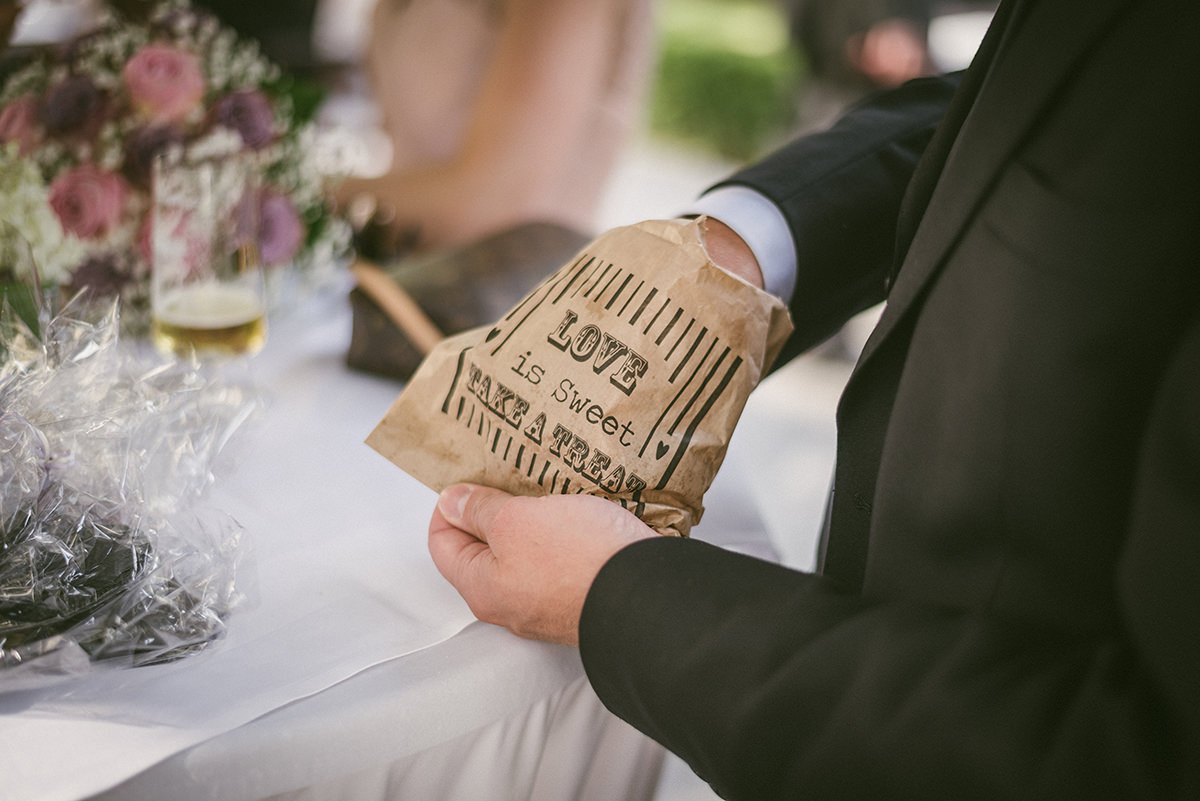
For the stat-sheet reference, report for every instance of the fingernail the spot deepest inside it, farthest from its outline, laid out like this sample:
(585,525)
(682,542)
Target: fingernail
(453,501)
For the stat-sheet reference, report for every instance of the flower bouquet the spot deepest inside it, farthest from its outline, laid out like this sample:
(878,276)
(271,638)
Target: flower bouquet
(80,128)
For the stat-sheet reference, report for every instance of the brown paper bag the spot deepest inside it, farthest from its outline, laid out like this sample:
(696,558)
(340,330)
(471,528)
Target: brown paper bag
(622,375)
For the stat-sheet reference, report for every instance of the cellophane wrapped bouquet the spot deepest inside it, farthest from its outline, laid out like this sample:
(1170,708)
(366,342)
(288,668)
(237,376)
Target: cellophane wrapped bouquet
(109,556)
(81,125)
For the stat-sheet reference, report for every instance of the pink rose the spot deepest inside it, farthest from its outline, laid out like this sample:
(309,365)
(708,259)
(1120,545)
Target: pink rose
(89,201)
(164,83)
(19,123)
(280,230)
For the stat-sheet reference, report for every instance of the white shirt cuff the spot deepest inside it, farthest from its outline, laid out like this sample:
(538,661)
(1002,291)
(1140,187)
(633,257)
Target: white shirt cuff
(762,225)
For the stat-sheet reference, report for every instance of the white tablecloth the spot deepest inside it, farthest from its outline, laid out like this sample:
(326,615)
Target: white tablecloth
(354,671)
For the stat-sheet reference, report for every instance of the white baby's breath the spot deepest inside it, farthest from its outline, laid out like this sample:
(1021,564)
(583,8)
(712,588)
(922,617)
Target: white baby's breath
(24,202)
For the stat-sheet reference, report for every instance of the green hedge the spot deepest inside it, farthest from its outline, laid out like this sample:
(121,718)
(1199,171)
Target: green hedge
(728,78)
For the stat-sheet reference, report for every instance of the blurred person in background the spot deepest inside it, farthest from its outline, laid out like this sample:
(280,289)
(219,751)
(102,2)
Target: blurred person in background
(500,111)
(855,47)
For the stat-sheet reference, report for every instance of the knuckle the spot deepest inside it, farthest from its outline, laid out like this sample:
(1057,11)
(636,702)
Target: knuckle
(486,508)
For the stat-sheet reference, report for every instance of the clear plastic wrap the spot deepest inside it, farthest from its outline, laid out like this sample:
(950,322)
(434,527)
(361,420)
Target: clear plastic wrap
(108,557)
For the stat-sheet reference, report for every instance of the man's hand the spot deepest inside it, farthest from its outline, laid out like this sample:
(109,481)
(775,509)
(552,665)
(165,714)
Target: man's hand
(527,563)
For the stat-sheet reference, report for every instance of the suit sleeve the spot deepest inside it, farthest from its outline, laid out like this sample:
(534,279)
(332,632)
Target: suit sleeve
(772,684)
(840,191)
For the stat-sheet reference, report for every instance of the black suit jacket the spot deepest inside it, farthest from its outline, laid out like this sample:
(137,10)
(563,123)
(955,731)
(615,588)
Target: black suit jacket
(1009,605)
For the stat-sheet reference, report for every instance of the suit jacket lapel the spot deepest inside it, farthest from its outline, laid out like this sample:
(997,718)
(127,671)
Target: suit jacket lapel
(1028,68)
(1024,65)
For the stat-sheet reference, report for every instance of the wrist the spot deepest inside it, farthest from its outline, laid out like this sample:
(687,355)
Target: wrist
(730,252)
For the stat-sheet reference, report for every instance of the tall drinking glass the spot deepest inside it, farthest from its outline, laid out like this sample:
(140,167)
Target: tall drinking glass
(208,295)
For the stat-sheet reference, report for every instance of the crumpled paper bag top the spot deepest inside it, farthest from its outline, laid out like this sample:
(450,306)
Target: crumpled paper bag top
(621,375)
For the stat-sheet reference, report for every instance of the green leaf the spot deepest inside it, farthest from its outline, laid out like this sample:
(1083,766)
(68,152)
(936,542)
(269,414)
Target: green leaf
(305,95)
(19,298)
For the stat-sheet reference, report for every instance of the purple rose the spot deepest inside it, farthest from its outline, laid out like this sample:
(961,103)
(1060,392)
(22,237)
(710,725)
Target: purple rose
(280,230)
(19,123)
(74,105)
(248,112)
(142,147)
(100,276)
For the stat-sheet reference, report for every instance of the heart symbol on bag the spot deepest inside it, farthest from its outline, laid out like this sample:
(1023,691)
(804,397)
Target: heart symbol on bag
(495,332)
(662,449)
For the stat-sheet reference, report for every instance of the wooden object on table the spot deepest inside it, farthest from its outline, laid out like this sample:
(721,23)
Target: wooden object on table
(402,308)
(398,305)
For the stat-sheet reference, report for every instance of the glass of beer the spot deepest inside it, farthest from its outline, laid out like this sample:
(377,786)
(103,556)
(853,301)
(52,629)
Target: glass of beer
(208,296)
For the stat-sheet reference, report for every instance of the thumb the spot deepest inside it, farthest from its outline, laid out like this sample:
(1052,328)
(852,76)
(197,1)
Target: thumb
(472,508)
